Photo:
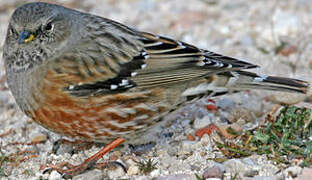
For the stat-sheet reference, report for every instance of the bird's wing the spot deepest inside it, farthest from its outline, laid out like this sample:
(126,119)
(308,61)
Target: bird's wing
(168,61)
(116,61)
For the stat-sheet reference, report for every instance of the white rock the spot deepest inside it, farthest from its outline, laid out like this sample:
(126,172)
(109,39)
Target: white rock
(203,122)
(293,171)
(155,173)
(114,174)
(236,166)
(90,175)
(55,176)
(133,170)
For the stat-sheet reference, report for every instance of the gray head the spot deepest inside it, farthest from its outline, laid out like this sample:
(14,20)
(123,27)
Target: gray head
(35,32)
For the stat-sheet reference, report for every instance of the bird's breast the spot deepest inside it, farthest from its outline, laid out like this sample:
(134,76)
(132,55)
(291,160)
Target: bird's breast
(96,118)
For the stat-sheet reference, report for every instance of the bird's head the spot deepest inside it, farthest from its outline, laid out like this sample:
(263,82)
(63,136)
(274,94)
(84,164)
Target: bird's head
(35,33)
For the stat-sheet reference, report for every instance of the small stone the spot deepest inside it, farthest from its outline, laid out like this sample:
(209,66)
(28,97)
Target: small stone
(4,98)
(293,171)
(207,141)
(160,153)
(55,176)
(202,122)
(142,148)
(42,176)
(195,168)
(167,161)
(213,172)
(206,130)
(155,173)
(94,175)
(178,177)
(173,150)
(251,173)
(187,147)
(263,178)
(190,137)
(225,103)
(286,98)
(60,149)
(130,162)
(133,170)
(211,107)
(236,166)
(115,173)
(38,137)
(177,166)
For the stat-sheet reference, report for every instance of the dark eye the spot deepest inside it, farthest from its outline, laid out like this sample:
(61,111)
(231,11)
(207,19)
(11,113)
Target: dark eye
(12,31)
(49,27)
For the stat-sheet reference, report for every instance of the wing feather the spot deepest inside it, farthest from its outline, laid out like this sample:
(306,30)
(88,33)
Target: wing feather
(151,61)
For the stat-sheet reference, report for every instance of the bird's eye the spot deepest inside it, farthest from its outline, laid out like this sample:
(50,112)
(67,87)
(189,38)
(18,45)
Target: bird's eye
(12,31)
(49,27)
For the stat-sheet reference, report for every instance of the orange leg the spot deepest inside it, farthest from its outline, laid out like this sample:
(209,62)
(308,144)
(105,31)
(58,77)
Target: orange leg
(88,163)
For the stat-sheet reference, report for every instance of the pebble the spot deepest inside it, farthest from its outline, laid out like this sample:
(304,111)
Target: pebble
(293,171)
(4,98)
(236,166)
(195,168)
(251,173)
(55,176)
(265,178)
(95,174)
(167,161)
(115,173)
(130,162)
(133,170)
(286,98)
(225,103)
(208,141)
(203,122)
(178,177)
(38,137)
(213,172)
(173,150)
(142,148)
(155,173)
(187,147)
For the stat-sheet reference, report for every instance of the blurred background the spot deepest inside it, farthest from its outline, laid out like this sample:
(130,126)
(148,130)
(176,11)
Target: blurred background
(275,34)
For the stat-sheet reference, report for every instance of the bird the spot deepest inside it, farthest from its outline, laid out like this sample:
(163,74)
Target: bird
(94,79)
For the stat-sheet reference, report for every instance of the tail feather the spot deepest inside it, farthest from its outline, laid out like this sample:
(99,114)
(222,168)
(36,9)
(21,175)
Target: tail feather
(235,81)
(249,80)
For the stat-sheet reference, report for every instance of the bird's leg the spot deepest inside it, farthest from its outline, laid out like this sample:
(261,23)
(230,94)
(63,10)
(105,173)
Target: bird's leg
(88,163)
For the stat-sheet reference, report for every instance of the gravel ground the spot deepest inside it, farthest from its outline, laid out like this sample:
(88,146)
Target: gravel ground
(252,30)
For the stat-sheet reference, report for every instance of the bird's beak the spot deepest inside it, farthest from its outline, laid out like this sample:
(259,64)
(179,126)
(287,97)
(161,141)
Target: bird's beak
(25,37)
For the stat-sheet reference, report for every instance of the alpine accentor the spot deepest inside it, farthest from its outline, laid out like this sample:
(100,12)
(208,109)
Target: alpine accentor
(94,79)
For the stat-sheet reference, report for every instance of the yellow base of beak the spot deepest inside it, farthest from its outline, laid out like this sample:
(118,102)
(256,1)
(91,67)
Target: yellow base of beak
(29,39)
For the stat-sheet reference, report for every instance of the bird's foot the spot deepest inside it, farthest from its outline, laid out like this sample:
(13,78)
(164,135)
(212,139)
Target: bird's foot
(89,163)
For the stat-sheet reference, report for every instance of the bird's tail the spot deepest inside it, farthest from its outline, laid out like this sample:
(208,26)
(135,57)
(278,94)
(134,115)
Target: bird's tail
(249,80)
(242,80)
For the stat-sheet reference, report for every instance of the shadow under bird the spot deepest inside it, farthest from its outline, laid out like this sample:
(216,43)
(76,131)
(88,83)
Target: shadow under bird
(94,79)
